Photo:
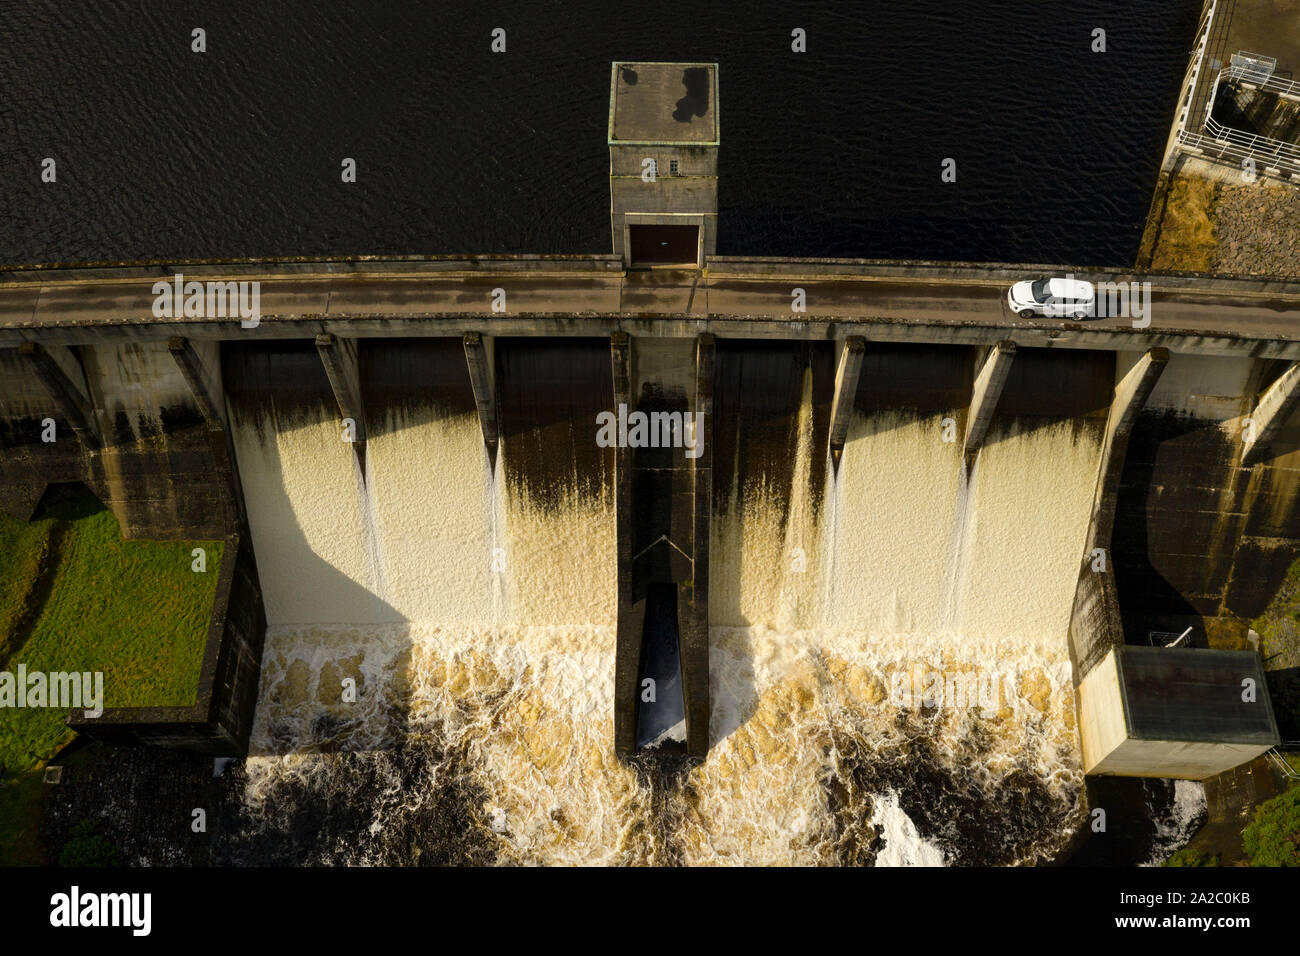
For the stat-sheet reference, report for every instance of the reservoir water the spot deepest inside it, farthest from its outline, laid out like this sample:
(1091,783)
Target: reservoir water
(164,153)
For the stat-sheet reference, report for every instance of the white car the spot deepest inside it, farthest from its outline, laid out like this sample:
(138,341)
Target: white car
(1053,298)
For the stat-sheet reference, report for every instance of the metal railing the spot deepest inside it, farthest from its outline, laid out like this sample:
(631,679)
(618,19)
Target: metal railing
(1192,76)
(1226,149)
(1254,62)
(1261,78)
(1278,759)
(1275,151)
(1222,142)
(1226,143)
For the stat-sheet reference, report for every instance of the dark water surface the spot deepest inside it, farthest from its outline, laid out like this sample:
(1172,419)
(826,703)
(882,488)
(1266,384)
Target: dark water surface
(164,153)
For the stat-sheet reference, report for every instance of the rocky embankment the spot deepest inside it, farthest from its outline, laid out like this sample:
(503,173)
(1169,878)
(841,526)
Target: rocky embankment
(1257,230)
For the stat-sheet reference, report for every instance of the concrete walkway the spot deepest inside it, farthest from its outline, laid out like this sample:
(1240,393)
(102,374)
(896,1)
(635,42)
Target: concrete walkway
(920,302)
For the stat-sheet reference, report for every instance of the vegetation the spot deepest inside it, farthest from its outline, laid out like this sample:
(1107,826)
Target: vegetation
(1189,857)
(86,847)
(1279,631)
(1186,240)
(76,597)
(1273,837)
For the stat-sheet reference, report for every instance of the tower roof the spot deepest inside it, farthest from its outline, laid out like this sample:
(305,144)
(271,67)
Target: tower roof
(664,104)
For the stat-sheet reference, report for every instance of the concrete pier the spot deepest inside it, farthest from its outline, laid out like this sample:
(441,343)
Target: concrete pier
(847,372)
(339,356)
(479,358)
(984,397)
(695,626)
(663,495)
(1275,407)
(1130,397)
(191,366)
(631,613)
(1096,626)
(67,396)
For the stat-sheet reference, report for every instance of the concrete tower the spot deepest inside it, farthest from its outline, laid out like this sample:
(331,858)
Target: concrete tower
(663,163)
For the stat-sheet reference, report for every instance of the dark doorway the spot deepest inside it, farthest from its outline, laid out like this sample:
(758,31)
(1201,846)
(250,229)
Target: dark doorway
(665,244)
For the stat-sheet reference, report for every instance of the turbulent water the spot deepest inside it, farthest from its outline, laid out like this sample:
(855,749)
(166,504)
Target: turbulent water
(483,653)
(1185,815)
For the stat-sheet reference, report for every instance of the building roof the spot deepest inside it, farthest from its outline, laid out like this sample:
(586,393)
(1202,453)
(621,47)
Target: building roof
(664,104)
(1194,694)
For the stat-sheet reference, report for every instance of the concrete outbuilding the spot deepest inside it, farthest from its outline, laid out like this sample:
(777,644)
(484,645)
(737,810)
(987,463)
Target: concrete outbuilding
(1188,713)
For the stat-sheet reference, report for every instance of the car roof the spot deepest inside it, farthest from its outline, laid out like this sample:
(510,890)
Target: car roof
(1070,288)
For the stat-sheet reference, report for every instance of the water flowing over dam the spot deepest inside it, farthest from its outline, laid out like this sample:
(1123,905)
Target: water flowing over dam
(473,604)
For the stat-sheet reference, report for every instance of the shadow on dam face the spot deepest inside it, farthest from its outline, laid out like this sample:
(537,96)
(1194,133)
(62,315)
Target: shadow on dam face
(273,391)
(408,381)
(759,393)
(549,392)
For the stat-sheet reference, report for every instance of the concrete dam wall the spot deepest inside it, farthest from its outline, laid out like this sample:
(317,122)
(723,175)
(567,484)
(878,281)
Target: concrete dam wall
(828,590)
(891,640)
(1200,540)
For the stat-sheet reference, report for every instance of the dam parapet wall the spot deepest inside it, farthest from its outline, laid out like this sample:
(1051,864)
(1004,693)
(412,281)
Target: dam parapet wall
(934,303)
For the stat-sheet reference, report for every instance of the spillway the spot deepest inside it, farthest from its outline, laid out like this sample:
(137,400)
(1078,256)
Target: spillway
(471,603)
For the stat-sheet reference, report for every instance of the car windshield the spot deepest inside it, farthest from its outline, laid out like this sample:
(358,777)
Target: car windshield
(1039,287)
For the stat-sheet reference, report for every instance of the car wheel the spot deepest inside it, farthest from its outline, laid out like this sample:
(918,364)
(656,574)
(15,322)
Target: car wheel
(1025,313)
(1081,314)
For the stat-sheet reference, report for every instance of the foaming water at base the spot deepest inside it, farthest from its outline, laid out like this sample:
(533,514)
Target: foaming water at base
(1184,818)
(469,745)
(903,845)
(506,730)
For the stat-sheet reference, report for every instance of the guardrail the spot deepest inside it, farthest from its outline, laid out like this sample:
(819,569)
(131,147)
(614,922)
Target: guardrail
(1275,150)
(1225,142)
(1264,79)
(1192,76)
(1278,760)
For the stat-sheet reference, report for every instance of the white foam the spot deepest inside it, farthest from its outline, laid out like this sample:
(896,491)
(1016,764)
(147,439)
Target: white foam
(513,671)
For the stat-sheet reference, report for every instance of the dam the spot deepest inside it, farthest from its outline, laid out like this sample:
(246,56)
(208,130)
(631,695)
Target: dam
(903,579)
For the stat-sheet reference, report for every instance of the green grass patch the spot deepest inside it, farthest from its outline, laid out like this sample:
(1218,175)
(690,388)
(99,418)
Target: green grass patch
(86,846)
(1272,838)
(133,610)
